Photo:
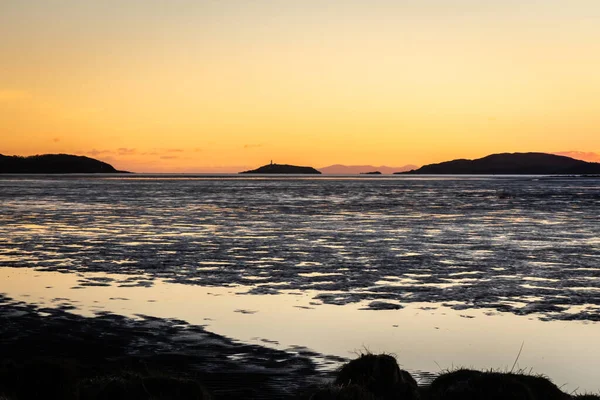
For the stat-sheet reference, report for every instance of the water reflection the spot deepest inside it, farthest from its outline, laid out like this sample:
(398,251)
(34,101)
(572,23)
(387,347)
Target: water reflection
(424,336)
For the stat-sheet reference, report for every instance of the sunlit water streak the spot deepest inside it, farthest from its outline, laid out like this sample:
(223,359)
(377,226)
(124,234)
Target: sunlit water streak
(524,245)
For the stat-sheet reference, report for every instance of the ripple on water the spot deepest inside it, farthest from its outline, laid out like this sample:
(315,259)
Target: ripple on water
(410,239)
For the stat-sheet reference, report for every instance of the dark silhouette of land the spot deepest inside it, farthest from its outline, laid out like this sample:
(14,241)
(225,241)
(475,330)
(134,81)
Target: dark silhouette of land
(282,169)
(54,164)
(371,173)
(339,169)
(512,164)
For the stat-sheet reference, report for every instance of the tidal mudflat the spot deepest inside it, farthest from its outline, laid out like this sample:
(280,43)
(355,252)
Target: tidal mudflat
(440,271)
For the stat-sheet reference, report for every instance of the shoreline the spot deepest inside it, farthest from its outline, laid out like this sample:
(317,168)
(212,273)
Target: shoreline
(426,337)
(88,355)
(109,344)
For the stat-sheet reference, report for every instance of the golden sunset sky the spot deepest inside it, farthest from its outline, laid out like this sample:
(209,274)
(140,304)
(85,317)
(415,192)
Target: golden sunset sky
(223,85)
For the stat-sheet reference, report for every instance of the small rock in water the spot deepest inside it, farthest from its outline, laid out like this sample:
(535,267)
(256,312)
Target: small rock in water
(245,311)
(382,305)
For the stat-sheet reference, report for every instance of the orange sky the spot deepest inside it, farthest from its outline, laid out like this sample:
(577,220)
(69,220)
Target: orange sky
(182,85)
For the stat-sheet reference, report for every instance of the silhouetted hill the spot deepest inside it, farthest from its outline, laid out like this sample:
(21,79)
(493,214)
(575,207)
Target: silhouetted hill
(53,164)
(339,169)
(512,164)
(282,169)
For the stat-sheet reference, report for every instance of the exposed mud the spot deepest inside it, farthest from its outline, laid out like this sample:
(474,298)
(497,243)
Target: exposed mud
(519,245)
(109,344)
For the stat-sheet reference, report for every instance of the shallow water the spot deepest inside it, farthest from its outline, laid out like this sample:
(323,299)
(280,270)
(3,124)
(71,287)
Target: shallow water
(311,254)
(426,337)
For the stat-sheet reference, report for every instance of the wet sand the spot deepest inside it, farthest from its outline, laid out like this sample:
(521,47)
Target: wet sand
(54,353)
(109,344)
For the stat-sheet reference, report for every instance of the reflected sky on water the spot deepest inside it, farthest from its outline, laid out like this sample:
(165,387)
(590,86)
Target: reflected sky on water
(424,336)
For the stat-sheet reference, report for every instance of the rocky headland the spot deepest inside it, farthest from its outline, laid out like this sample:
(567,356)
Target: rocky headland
(512,164)
(54,164)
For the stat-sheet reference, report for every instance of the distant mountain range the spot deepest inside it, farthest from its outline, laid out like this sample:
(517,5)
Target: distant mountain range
(339,169)
(54,164)
(513,164)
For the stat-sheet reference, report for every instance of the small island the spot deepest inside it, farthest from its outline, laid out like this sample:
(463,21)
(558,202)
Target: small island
(54,164)
(512,164)
(282,169)
(371,173)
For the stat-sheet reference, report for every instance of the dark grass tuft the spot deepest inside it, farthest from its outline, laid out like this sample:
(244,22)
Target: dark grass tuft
(466,384)
(541,386)
(380,375)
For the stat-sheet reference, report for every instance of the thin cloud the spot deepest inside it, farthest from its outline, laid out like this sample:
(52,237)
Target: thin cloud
(251,146)
(123,151)
(158,152)
(168,157)
(56,140)
(95,152)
